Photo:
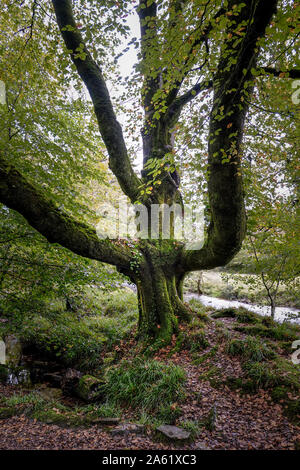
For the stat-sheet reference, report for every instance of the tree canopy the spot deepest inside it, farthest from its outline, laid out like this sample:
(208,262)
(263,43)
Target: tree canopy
(212,83)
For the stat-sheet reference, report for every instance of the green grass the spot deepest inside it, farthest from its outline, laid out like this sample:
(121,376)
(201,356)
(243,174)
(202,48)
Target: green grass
(149,386)
(200,309)
(251,349)
(33,405)
(200,359)
(280,332)
(241,314)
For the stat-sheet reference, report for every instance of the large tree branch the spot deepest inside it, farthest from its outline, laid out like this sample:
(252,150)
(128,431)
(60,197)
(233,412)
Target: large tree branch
(231,86)
(292,73)
(57,226)
(91,75)
(148,16)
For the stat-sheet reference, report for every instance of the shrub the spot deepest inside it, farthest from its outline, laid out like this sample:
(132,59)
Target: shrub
(78,339)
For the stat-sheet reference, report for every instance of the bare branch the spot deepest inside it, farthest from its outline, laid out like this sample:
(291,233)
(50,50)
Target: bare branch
(189,96)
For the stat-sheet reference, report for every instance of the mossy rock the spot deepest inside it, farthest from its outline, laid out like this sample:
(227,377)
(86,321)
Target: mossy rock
(51,394)
(90,388)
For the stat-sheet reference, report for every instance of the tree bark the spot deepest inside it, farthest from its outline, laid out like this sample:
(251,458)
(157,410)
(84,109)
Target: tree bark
(160,307)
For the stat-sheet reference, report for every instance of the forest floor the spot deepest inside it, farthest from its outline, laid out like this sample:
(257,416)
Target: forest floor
(234,398)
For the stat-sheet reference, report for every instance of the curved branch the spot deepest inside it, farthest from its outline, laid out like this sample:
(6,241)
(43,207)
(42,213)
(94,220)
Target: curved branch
(91,75)
(184,99)
(231,87)
(57,226)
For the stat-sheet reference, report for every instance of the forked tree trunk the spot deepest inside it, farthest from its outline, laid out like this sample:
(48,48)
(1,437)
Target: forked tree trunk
(158,268)
(161,307)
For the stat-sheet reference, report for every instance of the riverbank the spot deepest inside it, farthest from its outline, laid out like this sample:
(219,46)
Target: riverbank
(281,313)
(246,288)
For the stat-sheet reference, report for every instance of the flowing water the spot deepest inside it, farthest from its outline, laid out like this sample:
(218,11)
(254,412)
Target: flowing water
(281,313)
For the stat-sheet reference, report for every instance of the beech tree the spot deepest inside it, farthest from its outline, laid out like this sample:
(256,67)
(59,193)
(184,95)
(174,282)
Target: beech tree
(225,46)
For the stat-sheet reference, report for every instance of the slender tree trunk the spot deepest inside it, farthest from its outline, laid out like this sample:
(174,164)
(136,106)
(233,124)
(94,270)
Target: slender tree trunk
(273,306)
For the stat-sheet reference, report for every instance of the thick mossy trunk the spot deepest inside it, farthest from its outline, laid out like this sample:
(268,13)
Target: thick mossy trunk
(161,308)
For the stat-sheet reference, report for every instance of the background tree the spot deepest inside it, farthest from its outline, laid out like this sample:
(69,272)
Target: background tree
(224,47)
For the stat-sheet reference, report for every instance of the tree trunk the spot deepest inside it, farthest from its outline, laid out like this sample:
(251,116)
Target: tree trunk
(160,303)
(272,308)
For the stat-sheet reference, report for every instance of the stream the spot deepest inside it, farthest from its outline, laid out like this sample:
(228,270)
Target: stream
(281,313)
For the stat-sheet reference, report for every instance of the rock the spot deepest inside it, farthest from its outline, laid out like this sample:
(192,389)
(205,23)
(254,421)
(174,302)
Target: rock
(89,388)
(70,381)
(106,421)
(13,350)
(3,373)
(53,379)
(128,428)
(201,446)
(173,432)
(51,394)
